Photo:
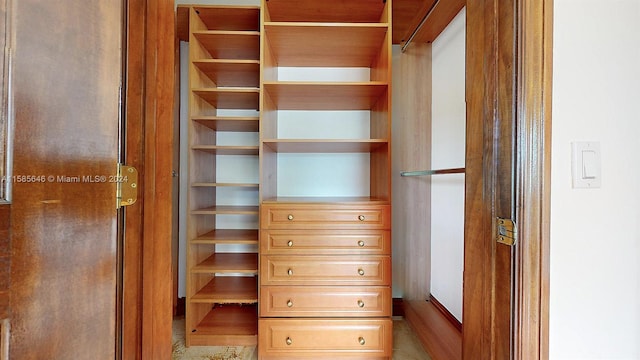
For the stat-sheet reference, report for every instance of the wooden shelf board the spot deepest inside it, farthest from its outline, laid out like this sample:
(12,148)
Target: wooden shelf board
(234,17)
(227,325)
(225,72)
(211,184)
(230,98)
(326,11)
(288,95)
(356,200)
(333,45)
(241,263)
(238,124)
(221,44)
(228,290)
(234,236)
(227,210)
(324,145)
(227,150)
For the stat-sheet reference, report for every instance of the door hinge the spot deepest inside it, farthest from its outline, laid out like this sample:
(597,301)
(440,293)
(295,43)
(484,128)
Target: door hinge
(126,186)
(507,232)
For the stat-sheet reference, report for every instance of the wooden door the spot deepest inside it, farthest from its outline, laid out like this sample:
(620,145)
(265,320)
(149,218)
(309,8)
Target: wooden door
(66,74)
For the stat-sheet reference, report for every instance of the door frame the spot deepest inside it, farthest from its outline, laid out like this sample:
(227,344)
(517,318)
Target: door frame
(150,115)
(530,78)
(151,68)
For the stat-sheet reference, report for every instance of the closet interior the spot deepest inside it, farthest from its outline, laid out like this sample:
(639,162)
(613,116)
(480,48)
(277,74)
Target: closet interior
(297,205)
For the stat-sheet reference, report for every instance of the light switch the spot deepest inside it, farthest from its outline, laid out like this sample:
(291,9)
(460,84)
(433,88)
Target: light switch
(586,165)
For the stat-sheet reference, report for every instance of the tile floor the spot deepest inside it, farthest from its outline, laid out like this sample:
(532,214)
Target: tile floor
(405,346)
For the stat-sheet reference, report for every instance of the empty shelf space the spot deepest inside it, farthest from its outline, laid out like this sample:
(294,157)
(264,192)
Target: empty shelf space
(228,290)
(333,45)
(230,98)
(227,210)
(230,44)
(324,146)
(324,200)
(241,263)
(227,150)
(290,95)
(219,123)
(228,236)
(227,325)
(229,17)
(225,72)
(326,11)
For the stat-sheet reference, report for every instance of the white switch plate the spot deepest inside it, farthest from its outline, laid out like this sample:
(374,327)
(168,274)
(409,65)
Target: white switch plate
(586,165)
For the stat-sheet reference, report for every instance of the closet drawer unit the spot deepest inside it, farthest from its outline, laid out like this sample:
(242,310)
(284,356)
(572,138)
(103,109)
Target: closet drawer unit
(370,242)
(322,301)
(325,270)
(322,216)
(326,338)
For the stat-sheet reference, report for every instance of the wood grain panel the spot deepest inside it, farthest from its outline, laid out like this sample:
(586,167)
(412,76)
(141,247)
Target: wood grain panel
(64,239)
(5,260)
(354,11)
(412,136)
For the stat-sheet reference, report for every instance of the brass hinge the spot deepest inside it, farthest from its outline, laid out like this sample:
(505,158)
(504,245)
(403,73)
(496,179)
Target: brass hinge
(507,233)
(126,186)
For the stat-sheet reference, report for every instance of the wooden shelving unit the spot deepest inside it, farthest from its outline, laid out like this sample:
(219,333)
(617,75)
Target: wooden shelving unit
(352,231)
(224,93)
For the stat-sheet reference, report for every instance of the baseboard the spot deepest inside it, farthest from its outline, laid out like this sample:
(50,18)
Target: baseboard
(180,307)
(445,312)
(398,307)
(439,337)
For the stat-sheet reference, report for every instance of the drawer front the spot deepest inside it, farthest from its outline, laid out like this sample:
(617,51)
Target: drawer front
(325,270)
(373,242)
(299,216)
(364,339)
(321,301)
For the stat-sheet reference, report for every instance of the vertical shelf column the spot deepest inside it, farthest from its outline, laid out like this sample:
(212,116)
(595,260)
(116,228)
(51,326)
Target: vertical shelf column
(222,234)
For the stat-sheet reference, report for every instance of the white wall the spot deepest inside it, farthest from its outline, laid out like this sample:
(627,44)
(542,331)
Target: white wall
(595,233)
(448,151)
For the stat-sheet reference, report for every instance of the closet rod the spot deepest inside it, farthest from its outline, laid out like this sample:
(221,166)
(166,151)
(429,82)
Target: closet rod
(433,172)
(424,20)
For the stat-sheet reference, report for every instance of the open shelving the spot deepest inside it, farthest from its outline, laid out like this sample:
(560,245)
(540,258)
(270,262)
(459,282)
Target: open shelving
(224,93)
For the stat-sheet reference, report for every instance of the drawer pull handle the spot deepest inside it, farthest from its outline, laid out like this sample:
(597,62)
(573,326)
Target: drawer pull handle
(361,243)
(360,303)
(361,217)
(289,341)
(289,303)
(290,243)
(290,217)
(361,272)
(290,272)
(361,341)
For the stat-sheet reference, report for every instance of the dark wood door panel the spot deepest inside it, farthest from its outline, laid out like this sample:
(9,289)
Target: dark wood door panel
(66,75)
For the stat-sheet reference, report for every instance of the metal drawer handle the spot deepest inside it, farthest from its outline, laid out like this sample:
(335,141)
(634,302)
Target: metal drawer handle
(361,217)
(360,303)
(361,341)
(290,217)
(289,303)
(361,272)
(290,243)
(361,243)
(290,272)
(289,341)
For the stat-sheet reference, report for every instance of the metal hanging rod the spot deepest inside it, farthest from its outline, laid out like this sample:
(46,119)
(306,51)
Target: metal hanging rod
(433,172)
(415,31)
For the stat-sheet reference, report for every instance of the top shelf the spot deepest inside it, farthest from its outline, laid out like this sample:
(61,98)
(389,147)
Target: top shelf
(351,11)
(238,18)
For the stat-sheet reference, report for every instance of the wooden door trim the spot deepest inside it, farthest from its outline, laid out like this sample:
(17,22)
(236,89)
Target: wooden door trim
(533,174)
(148,290)
(532,179)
